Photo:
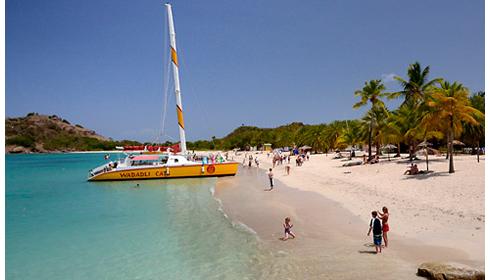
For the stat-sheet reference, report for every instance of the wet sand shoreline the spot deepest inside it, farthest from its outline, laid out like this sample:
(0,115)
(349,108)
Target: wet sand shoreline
(331,242)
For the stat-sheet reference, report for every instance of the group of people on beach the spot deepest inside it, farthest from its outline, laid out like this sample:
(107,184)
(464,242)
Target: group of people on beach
(250,160)
(379,228)
(279,159)
(378,224)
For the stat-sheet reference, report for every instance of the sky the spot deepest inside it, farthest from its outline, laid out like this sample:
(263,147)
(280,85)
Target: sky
(104,63)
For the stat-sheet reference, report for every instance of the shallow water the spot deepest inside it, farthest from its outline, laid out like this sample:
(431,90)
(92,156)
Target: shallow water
(59,226)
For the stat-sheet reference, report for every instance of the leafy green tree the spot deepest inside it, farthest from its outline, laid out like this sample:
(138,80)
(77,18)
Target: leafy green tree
(474,135)
(372,92)
(449,104)
(415,87)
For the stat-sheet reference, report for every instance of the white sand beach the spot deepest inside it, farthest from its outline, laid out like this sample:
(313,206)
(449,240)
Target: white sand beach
(433,217)
(438,208)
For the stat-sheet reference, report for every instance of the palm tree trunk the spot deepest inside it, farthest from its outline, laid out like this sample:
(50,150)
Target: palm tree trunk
(450,148)
(369,140)
(410,150)
(447,154)
(478,151)
(427,157)
(398,153)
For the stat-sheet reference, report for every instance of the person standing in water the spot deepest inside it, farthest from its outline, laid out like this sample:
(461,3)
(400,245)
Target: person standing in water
(384,218)
(287,229)
(271,178)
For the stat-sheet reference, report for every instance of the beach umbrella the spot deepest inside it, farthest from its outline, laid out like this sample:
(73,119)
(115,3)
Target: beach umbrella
(425,144)
(458,143)
(389,147)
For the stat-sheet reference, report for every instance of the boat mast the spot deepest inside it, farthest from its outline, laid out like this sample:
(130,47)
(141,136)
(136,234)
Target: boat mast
(175,67)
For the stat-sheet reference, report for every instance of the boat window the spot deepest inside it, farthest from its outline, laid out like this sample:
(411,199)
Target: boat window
(176,160)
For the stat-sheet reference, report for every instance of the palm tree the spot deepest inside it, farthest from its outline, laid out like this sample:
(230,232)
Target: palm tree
(475,134)
(418,83)
(350,135)
(372,92)
(316,137)
(393,132)
(404,122)
(375,126)
(449,105)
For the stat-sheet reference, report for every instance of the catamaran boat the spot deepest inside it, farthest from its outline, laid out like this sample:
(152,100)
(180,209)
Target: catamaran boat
(163,165)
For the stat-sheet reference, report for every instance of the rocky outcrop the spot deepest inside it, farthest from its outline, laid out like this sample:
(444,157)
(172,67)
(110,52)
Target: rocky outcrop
(12,149)
(40,133)
(449,271)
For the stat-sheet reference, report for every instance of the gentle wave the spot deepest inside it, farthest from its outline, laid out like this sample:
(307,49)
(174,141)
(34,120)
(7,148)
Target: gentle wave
(234,223)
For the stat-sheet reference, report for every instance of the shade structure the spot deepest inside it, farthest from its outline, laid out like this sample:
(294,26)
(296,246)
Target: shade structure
(424,144)
(430,151)
(390,147)
(458,143)
(146,157)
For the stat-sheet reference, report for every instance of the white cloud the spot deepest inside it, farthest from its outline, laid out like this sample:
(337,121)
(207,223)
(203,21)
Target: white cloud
(388,78)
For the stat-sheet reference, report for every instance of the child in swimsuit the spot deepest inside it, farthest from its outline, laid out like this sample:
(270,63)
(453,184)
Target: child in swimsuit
(287,229)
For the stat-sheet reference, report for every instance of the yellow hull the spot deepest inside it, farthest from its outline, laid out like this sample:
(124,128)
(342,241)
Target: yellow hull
(220,169)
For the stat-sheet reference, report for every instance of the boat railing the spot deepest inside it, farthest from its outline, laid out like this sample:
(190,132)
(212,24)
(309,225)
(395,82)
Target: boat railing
(104,168)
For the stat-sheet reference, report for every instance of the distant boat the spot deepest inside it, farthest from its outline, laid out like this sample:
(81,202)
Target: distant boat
(174,161)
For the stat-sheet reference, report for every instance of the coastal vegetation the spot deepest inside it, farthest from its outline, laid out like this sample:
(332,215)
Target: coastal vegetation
(41,133)
(436,112)
(432,112)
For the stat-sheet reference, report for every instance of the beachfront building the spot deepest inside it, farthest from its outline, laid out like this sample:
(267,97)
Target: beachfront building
(267,147)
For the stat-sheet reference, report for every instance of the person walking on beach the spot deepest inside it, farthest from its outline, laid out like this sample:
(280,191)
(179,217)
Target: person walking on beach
(288,168)
(287,229)
(384,218)
(375,226)
(257,161)
(271,178)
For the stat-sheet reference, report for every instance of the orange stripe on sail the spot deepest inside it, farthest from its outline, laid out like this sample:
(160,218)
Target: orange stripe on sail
(173,54)
(180,117)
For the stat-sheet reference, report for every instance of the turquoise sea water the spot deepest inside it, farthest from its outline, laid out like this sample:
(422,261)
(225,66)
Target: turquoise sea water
(59,226)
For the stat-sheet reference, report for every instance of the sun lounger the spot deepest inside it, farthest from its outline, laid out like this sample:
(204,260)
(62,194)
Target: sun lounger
(352,163)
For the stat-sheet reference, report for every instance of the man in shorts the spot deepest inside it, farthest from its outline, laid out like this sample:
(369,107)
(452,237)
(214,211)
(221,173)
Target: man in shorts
(375,226)
(271,178)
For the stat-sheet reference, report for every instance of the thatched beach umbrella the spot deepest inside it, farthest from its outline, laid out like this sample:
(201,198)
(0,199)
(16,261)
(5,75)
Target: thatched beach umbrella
(458,143)
(389,147)
(424,145)
(305,148)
